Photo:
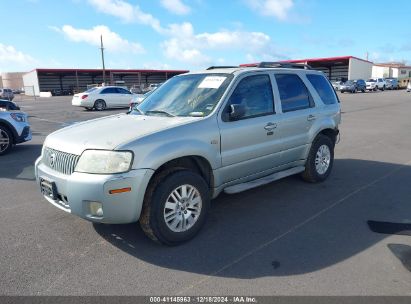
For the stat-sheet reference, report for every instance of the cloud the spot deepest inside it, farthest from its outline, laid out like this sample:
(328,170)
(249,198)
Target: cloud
(126,12)
(277,8)
(184,45)
(187,46)
(113,42)
(176,7)
(11,57)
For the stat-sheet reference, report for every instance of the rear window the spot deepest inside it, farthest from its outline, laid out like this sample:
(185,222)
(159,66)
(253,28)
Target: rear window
(323,88)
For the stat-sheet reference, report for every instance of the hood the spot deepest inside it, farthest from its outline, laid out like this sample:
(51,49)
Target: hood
(109,132)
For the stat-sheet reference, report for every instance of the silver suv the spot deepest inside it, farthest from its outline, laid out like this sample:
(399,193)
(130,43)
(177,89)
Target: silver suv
(6,94)
(224,129)
(14,127)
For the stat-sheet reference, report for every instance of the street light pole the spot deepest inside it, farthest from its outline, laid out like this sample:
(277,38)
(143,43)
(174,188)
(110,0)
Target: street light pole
(102,58)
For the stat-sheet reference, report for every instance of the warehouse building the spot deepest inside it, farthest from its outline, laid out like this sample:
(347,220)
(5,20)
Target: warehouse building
(393,70)
(69,81)
(339,68)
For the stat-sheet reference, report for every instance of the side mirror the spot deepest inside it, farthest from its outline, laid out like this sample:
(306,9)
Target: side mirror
(236,111)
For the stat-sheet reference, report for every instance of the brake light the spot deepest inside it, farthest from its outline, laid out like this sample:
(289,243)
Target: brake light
(84,96)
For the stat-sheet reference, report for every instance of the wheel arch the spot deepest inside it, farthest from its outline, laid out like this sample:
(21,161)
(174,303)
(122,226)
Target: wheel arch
(12,130)
(195,163)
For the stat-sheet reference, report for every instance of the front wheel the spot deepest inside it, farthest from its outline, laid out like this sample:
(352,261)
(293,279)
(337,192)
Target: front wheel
(175,207)
(320,160)
(6,140)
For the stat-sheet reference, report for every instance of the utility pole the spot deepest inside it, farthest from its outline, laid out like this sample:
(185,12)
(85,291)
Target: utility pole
(102,59)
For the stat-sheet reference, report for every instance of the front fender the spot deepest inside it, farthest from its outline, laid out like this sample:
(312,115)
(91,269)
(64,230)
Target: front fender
(177,149)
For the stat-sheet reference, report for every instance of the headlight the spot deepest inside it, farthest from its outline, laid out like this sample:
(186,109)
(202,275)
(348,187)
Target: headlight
(18,117)
(104,162)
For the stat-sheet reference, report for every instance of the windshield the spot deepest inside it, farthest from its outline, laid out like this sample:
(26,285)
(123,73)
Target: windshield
(371,80)
(348,82)
(188,95)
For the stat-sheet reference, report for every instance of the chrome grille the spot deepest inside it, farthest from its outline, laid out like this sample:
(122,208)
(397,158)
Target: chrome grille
(60,161)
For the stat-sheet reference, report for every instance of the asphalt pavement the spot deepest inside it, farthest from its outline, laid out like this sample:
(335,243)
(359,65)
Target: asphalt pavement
(285,238)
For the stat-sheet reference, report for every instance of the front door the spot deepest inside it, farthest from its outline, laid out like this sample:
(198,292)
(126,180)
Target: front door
(249,144)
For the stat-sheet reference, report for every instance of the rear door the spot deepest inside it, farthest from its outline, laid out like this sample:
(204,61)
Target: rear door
(249,145)
(297,116)
(109,96)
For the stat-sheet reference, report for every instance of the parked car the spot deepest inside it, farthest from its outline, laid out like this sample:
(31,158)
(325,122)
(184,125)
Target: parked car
(6,94)
(348,86)
(337,84)
(154,86)
(199,134)
(392,84)
(374,84)
(7,105)
(101,98)
(360,85)
(137,99)
(14,129)
(61,92)
(409,87)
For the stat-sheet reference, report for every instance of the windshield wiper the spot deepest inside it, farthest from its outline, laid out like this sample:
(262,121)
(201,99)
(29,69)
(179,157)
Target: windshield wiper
(159,112)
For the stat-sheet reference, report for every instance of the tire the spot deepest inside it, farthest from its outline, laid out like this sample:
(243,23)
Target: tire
(159,204)
(383,88)
(354,91)
(375,89)
(100,105)
(6,140)
(318,173)
(363,90)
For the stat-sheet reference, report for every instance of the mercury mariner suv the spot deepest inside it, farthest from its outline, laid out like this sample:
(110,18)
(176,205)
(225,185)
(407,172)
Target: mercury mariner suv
(223,129)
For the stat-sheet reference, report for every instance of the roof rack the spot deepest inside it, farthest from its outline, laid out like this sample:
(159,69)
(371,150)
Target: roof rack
(222,67)
(283,65)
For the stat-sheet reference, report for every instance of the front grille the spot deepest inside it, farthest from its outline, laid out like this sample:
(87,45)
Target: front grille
(60,161)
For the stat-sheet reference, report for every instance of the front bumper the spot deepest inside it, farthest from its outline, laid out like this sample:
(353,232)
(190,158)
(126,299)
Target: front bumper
(77,191)
(26,135)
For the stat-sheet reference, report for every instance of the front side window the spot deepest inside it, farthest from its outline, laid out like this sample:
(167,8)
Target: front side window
(123,91)
(193,95)
(323,88)
(255,93)
(293,92)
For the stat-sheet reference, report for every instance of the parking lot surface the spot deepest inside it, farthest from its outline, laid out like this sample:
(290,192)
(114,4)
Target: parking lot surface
(285,238)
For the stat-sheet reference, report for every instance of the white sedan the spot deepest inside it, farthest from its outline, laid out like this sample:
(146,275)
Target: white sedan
(101,98)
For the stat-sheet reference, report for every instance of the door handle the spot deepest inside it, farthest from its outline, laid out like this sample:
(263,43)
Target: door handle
(311,117)
(270,126)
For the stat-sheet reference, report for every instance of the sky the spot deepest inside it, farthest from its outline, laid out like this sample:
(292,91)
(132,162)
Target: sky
(195,34)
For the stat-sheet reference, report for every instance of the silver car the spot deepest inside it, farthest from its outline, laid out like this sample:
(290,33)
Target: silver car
(6,94)
(201,133)
(14,128)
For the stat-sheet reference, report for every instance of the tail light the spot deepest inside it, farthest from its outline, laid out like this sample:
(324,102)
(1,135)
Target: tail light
(84,96)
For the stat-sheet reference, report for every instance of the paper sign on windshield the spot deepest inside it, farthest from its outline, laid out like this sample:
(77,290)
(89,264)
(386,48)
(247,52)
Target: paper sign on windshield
(211,82)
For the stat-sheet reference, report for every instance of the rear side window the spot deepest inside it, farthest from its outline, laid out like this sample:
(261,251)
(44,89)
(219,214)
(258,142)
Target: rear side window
(109,91)
(256,94)
(323,88)
(293,92)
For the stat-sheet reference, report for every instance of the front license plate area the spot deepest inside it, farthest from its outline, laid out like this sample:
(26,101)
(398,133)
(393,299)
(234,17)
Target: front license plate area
(48,188)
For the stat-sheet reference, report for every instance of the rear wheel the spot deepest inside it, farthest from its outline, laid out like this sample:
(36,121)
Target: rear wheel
(100,105)
(320,160)
(383,88)
(175,207)
(6,140)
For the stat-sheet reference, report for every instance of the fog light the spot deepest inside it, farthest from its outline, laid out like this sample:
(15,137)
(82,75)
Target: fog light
(96,209)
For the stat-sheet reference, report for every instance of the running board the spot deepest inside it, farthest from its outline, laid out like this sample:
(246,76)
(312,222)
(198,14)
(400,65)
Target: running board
(263,181)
